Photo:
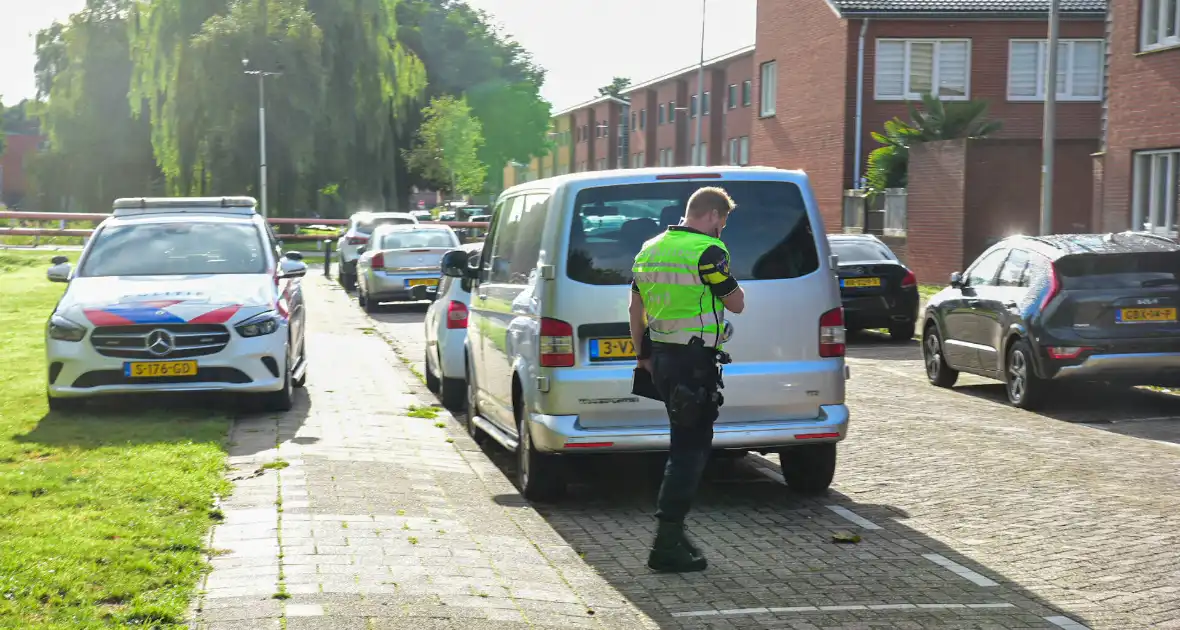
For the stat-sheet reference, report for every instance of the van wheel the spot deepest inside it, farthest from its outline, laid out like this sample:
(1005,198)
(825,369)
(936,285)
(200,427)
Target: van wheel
(541,476)
(432,382)
(808,469)
(453,393)
(938,372)
(1024,388)
(475,432)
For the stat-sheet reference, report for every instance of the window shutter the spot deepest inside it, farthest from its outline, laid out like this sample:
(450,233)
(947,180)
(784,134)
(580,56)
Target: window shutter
(1023,67)
(890,79)
(921,79)
(952,68)
(1087,69)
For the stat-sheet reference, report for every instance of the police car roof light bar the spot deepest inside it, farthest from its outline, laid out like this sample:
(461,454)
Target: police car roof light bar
(161,205)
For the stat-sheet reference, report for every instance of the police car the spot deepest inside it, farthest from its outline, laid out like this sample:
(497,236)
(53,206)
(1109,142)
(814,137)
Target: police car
(179,294)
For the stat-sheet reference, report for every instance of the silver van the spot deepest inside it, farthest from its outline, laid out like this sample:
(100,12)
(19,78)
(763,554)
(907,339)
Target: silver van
(549,357)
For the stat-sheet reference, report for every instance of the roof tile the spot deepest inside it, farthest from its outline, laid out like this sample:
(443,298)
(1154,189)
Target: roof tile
(965,6)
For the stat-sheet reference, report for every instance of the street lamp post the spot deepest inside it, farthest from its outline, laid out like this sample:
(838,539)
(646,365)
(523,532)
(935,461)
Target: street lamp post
(261,74)
(1050,116)
(696,147)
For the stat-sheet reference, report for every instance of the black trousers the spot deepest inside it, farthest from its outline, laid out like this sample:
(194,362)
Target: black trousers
(692,429)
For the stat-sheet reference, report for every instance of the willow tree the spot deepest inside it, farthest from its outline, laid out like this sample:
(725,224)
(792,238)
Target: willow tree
(332,113)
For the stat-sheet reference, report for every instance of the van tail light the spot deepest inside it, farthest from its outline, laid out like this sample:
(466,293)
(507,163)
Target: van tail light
(910,280)
(1054,287)
(557,343)
(378,261)
(357,240)
(1064,352)
(456,315)
(831,333)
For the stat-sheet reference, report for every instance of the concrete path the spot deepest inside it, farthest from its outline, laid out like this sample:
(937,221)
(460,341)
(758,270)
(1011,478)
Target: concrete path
(361,509)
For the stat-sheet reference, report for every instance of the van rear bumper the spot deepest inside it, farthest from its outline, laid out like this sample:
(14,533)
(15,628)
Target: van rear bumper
(562,434)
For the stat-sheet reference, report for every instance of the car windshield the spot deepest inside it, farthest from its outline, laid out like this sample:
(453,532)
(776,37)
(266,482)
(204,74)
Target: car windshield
(769,235)
(367,226)
(174,249)
(860,250)
(419,239)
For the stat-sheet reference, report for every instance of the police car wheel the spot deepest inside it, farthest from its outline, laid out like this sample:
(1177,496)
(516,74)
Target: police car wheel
(281,400)
(64,404)
(808,469)
(540,476)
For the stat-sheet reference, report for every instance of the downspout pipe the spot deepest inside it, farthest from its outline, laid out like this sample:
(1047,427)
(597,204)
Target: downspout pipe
(860,103)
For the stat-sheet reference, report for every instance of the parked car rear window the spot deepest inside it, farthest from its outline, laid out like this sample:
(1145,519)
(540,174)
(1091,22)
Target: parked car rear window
(175,249)
(366,226)
(860,251)
(1119,271)
(769,235)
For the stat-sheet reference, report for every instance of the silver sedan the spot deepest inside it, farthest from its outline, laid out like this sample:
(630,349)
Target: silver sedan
(399,258)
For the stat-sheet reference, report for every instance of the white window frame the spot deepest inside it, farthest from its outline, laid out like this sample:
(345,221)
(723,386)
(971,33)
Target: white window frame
(768,89)
(1066,92)
(706,105)
(1162,40)
(1155,172)
(663,115)
(671,111)
(733,151)
(744,151)
(909,95)
(732,95)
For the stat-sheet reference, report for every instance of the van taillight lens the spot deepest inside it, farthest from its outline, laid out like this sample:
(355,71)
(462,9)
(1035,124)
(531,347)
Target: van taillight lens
(357,240)
(1054,287)
(456,315)
(557,343)
(378,261)
(831,333)
(910,280)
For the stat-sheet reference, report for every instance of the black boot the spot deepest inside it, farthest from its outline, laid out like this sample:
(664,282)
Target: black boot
(673,553)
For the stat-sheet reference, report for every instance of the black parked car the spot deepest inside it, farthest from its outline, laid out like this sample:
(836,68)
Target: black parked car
(876,289)
(1035,310)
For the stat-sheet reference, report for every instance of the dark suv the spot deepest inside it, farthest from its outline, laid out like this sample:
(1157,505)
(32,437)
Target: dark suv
(1035,310)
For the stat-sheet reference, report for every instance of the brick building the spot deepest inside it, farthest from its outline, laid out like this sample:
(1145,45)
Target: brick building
(1137,174)
(664,112)
(13,178)
(828,73)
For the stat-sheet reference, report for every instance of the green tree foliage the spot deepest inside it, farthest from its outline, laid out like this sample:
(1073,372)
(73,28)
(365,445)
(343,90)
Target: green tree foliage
(615,87)
(97,150)
(888,164)
(465,56)
(20,118)
(447,150)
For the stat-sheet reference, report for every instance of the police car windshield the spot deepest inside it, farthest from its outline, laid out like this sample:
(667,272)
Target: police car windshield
(175,249)
(769,236)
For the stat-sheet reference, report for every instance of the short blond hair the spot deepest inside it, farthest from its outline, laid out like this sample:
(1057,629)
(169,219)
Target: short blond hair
(708,199)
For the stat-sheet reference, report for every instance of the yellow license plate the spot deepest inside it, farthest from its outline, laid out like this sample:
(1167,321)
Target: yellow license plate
(430,282)
(1143,315)
(615,349)
(156,369)
(862,282)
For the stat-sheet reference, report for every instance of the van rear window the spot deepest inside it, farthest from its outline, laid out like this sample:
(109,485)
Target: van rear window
(1119,271)
(769,235)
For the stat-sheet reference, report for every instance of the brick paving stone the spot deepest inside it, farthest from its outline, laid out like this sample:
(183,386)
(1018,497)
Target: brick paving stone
(380,519)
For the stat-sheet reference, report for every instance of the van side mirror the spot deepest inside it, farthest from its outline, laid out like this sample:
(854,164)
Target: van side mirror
(957,280)
(455,264)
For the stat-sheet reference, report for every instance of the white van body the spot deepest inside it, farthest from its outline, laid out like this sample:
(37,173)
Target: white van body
(555,273)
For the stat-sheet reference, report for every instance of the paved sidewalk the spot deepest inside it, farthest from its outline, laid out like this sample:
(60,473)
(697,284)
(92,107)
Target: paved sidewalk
(348,513)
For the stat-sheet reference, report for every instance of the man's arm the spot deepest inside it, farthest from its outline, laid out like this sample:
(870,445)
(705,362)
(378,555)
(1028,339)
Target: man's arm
(638,319)
(714,266)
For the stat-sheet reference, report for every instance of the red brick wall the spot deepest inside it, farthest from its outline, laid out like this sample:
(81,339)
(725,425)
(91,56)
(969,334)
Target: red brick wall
(809,131)
(583,148)
(936,210)
(13,161)
(737,122)
(666,133)
(1144,90)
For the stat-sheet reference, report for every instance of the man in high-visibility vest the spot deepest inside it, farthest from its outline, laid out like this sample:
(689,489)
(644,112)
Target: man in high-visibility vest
(681,291)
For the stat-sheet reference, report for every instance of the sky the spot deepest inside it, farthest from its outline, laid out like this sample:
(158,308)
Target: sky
(582,44)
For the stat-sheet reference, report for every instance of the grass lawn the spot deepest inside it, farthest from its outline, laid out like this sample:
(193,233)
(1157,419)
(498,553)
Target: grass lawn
(103,514)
